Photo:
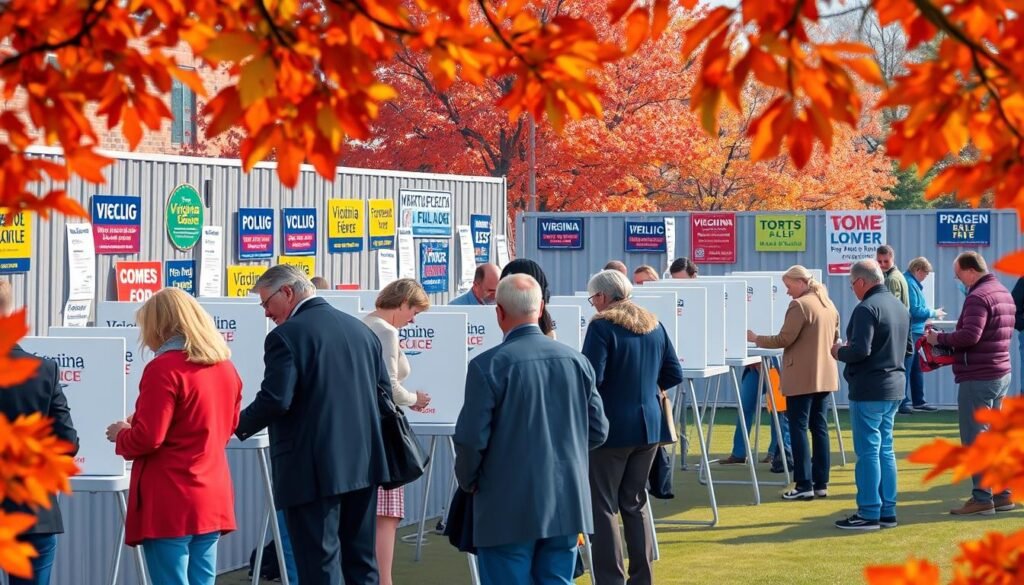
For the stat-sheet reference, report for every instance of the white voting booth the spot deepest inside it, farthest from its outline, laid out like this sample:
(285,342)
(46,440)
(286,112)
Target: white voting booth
(367,298)
(136,356)
(482,331)
(347,305)
(782,299)
(244,327)
(587,311)
(662,303)
(567,316)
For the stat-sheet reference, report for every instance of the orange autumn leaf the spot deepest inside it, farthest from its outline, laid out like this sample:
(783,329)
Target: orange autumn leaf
(914,572)
(996,559)
(34,463)
(16,556)
(14,370)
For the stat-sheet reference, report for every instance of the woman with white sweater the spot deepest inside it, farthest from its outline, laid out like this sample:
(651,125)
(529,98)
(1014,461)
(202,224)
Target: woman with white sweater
(397,305)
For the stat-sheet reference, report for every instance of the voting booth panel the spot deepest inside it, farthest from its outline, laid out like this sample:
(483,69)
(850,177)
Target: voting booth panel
(116,314)
(715,327)
(92,376)
(244,327)
(567,316)
(692,316)
(347,305)
(136,356)
(367,298)
(760,301)
(435,346)
(782,299)
(587,311)
(482,331)
(663,304)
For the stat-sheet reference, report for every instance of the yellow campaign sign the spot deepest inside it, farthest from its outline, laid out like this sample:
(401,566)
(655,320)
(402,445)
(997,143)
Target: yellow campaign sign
(304,263)
(15,242)
(345,225)
(382,224)
(241,279)
(780,233)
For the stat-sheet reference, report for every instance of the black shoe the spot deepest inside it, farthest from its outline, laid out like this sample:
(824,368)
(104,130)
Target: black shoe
(925,407)
(887,522)
(777,466)
(667,496)
(855,522)
(905,410)
(795,494)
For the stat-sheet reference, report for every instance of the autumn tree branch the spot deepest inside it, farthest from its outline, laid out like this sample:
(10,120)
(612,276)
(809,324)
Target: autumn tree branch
(90,17)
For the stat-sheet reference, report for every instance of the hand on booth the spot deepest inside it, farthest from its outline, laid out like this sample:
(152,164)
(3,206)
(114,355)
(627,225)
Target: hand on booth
(751,336)
(940,314)
(422,400)
(115,429)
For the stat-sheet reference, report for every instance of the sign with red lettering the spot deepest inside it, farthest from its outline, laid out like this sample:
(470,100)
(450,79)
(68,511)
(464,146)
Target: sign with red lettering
(713,238)
(852,236)
(137,281)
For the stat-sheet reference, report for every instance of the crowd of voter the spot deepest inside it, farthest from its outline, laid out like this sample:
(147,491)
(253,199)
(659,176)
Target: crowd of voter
(551,443)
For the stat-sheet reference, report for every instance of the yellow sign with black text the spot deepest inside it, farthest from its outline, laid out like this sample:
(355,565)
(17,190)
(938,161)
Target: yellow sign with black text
(307,264)
(346,227)
(15,242)
(382,224)
(242,278)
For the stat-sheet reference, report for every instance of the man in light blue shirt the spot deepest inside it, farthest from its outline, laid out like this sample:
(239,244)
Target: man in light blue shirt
(485,283)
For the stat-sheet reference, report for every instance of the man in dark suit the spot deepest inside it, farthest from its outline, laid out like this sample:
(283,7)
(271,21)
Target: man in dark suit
(531,400)
(42,393)
(319,398)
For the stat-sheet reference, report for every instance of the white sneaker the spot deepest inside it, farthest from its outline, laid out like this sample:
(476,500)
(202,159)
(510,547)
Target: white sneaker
(795,494)
(821,493)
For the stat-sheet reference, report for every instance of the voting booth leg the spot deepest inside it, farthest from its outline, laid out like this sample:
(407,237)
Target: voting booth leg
(258,561)
(778,437)
(272,516)
(679,414)
(704,464)
(654,532)
(140,562)
(474,570)
(750,464)
(839,431)
(426,496)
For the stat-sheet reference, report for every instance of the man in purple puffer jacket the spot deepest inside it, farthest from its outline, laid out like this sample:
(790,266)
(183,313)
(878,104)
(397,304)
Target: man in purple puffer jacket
(982,367)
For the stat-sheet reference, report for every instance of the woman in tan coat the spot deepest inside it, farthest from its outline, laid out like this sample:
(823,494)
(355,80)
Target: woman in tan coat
(809,376)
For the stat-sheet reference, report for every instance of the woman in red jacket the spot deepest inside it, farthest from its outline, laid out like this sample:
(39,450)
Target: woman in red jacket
(181,499)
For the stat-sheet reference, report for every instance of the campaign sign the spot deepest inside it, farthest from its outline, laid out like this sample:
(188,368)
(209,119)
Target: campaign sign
(255,233)
(137,281)
(116,223)
(434,266)
(564,233)
(852,236)
(92,377)
(345,225)
(181,274)
(482,331)
(136,356)
(298,231)
(568,316)
(963,228)
(645,236)
(780,233)
(480,225)
(713,238)
(587,311)
(241,279)
(435,346)
(15,242)
(382,224)
(244,327)
(427,213)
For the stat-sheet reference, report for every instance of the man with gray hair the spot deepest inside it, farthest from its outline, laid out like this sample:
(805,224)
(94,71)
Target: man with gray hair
(319,397)
(530,399)
(876,344)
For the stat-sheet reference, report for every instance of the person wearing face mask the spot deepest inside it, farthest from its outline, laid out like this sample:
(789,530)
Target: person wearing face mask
(981,345)
(918,270)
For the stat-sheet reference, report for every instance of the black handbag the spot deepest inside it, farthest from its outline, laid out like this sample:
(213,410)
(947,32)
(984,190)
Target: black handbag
(405,458)
(459,525)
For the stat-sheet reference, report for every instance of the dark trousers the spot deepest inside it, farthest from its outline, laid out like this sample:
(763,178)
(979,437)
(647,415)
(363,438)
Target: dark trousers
(661,474)
(915,377)
(617,480)
(334,539)
(809,411)
(42,565)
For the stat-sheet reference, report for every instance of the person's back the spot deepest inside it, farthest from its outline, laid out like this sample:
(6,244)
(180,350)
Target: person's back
(880,324)
(988,319)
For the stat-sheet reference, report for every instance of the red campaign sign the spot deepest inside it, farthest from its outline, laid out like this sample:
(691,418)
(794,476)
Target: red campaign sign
(137,281)
(345,286)
(713,238)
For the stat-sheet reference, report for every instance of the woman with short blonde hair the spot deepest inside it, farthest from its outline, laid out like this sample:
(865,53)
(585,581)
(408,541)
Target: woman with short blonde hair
(181,500)
(404,291)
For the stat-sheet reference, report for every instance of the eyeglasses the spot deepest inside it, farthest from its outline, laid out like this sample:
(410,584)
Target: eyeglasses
(264,303)
(590,299)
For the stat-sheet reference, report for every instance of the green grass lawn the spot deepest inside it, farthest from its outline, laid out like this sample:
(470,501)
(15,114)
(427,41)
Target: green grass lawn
(777,541)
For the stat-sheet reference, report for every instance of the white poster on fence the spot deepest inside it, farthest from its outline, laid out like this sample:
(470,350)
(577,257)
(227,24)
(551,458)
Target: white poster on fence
(387,267)
(92,376)
(406,254)
(135,356)
(211,263)
(116,314)
(76,313)
(81,262)
(467,258)
(663,304)
(244,327)
(670,240)
(482,331)
(501,250)
(567,315)
(435,346)
(851,236)
(587,311)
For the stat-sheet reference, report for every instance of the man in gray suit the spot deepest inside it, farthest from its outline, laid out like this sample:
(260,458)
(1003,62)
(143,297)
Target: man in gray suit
(532,402)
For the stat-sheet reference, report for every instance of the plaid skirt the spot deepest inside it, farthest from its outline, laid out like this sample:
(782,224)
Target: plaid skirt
(391,503)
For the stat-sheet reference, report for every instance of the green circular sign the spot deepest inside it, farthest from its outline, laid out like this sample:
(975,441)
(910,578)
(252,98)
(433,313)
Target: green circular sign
(184,217)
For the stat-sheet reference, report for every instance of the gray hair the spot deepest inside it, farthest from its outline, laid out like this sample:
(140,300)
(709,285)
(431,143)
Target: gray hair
(612,284)
(286,275)
(519,295)
(868,270)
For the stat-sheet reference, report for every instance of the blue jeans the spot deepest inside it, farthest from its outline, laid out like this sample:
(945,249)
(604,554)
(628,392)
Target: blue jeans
(188,560)
(875,473)
(748,398)
(549,561)
(42,565)
(915,377)
(289,554)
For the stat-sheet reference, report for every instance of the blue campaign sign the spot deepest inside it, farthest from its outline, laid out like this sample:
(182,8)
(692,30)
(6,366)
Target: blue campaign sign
(298,231)
(560,234)
(963,228)
(434,266)
(255,233)
(645,236)
(480,227)
(181,274)
(116,223)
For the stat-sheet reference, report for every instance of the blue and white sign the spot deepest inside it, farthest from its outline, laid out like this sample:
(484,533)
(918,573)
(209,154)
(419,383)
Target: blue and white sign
(963,228)
(255,233)
(480,225)
(427,213)
(564,233)
(116,223)
(434,266)
(180,274)
(298,231)
(645,236)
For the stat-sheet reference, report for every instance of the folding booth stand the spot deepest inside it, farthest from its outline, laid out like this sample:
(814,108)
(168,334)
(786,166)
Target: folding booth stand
(118,487)
(259,445)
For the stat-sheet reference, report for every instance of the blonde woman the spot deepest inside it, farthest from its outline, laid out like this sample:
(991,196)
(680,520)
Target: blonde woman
(809,376)
(181,500)
(397,305)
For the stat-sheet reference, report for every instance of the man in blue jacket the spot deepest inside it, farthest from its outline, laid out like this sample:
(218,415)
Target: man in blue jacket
(875,351)
(920,313)
(485,280)
(531,415)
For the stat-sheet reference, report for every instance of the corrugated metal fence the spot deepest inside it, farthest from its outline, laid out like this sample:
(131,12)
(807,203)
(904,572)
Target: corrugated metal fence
(911,233)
